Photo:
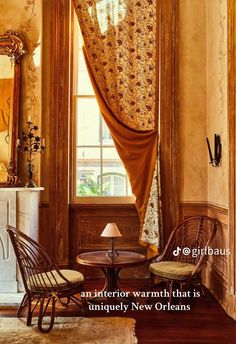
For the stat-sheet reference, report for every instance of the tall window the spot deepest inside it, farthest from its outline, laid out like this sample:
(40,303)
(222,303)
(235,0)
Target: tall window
(98,170)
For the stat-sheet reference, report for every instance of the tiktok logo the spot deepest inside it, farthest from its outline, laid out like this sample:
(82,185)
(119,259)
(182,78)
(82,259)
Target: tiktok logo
(177,251)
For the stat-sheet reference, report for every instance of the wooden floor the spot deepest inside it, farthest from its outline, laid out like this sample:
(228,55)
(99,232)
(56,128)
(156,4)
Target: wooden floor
(204,323)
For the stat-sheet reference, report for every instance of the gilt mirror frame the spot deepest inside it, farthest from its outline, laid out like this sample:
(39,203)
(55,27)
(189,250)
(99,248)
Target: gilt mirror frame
(12,46)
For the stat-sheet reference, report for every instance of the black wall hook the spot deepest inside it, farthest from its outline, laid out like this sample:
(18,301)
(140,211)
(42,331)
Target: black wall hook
(215,162)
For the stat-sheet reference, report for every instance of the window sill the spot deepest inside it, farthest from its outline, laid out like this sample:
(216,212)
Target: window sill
(103,200)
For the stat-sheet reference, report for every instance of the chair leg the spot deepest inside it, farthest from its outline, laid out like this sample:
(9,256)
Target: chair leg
(181,289)
(84,306)
(29,315)
(170,291)
(81,303)
(204,294)
(42,312)
(64,303)
(22,306)
(202,289)
(151,286)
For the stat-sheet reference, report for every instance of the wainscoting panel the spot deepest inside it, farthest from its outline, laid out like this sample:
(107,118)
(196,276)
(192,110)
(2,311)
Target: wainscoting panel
(216,272)
(45,234)
(187,209)
(86,225)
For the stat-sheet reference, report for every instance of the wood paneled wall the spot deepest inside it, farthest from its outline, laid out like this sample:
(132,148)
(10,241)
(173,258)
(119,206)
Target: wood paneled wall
(88,221)
(46,236)
(216,272)
(86,225)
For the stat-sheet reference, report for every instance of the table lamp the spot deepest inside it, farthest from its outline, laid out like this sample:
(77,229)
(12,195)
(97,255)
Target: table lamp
(111,231)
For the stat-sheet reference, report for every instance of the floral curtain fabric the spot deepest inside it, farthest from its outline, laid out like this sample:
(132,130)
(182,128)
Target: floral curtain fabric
(121,51)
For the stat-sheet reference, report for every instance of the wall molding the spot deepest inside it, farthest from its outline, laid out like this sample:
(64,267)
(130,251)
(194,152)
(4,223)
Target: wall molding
(201,208)
(212,205)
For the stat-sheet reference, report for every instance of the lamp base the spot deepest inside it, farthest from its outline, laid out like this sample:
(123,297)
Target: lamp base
(112,254)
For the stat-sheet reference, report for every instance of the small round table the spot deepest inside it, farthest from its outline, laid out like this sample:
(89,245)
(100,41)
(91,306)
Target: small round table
(111,268)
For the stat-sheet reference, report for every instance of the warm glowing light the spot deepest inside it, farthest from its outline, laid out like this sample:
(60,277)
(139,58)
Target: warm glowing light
(37,55)
(112,9)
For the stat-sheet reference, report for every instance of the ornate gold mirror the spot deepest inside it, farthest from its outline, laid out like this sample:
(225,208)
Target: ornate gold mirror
(11,51)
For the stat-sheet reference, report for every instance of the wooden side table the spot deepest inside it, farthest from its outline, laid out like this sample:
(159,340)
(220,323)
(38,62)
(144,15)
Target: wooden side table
(111,268)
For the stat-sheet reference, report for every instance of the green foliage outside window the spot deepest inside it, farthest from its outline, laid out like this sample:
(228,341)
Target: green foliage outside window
(92,188)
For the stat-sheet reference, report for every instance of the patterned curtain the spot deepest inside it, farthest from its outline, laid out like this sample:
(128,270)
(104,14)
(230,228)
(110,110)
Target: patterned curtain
(121,53)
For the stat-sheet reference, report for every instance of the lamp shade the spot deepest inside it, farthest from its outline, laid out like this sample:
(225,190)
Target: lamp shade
(111,231)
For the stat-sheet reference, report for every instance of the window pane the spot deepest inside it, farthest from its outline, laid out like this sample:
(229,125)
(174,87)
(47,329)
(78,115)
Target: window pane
(114,184)
(84,86)
(88,172)
(114,181)
(88,117)
(82,64)
(106,135)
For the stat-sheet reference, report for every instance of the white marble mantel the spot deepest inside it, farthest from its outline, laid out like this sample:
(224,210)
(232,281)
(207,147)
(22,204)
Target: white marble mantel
(2,189)
(19,208)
